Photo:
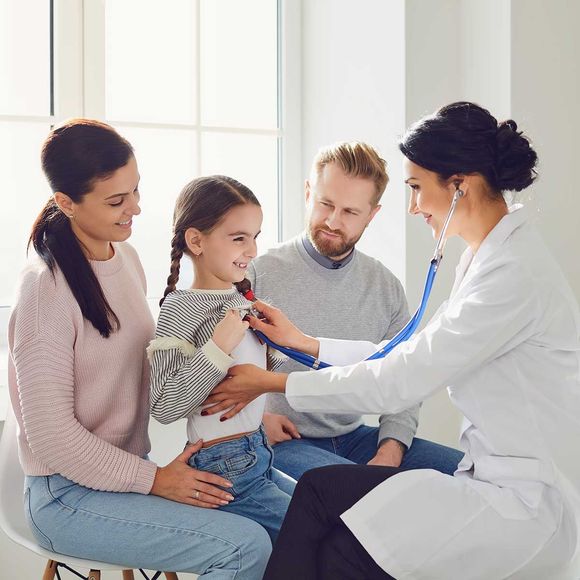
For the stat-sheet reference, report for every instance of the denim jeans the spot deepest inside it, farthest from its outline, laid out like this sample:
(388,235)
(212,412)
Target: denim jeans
(296,456)
(143,531)
(260,492)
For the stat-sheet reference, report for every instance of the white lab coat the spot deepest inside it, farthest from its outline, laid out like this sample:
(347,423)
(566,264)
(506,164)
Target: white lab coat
(507,347)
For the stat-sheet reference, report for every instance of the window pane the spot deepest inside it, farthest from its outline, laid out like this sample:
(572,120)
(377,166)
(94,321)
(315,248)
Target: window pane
(25,57)
(25,192)
(166,161)
(239,63)
(150,60)
(252,160)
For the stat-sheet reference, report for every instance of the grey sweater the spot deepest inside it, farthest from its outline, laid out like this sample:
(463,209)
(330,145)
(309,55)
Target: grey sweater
(362,300)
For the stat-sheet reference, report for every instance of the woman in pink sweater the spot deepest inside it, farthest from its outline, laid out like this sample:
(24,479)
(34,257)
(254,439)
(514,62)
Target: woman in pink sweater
(79,384)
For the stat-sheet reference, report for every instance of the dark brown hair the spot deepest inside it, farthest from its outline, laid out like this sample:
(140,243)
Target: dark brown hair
(465,138)
(75,156)
(202,204)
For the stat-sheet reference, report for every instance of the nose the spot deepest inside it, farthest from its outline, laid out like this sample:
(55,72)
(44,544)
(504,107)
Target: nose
(134,207)
(252,250)
(333,220)
(413,209)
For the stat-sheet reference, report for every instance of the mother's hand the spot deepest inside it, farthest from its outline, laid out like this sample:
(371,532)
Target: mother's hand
(278,328)
(180,482)
(242,385)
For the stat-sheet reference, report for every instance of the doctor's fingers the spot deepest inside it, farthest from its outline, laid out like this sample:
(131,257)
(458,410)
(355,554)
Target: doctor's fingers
(233,411)
(219,403)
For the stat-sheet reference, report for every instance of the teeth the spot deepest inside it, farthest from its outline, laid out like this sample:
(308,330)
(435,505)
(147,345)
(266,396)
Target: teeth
(240,264)
(124,223)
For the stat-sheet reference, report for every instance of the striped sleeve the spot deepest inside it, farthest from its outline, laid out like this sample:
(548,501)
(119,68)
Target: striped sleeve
(186,364)
(274,359)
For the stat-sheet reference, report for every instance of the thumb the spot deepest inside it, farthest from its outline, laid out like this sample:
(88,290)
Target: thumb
(189,451)
(290,428)
(264,308)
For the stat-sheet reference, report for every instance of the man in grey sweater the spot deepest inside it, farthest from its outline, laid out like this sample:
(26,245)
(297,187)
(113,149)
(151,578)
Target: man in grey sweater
(328,288)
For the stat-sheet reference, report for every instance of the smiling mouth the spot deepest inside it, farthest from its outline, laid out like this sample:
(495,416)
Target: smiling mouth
(241,265)
(127,223)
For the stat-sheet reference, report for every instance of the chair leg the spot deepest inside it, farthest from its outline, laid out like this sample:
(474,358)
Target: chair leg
(171,576)
(94,575)
(128,575)
(50,570)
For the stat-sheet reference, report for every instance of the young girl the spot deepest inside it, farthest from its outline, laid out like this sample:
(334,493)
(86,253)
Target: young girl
(201,334)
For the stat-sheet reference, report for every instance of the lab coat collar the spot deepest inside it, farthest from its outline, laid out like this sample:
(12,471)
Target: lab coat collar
(517,215)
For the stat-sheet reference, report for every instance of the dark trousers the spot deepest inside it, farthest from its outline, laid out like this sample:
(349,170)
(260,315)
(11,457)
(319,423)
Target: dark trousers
(314,543)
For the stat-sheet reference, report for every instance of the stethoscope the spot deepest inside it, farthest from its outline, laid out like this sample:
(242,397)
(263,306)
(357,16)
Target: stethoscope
(407,331)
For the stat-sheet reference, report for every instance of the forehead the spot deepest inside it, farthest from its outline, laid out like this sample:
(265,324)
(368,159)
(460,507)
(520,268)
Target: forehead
(246,217)
(123,180)
(332,183)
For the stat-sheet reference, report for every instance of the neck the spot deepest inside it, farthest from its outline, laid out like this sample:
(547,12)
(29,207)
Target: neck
(482,220)
(206,281)
(96,250)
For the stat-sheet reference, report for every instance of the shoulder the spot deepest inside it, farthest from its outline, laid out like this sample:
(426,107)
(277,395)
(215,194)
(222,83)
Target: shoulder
(279,255)
(43,303)
(376,269)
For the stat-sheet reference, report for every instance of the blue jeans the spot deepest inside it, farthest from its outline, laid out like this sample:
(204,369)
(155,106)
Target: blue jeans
(260,492)
(296,456)
(143,531)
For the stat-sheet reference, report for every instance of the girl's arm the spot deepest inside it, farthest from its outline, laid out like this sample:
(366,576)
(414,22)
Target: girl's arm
(182,376)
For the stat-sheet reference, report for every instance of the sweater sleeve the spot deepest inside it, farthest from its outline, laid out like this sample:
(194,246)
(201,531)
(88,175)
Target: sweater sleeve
(401,426)
(43,355)
(183,376)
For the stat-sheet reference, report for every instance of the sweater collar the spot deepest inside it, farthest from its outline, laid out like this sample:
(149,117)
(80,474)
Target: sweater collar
(324,261)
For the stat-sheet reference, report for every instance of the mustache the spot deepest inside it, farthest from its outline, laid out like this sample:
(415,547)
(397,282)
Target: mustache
(334,232)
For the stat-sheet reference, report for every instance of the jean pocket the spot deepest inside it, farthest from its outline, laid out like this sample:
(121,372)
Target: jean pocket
(40,537)
(239,464)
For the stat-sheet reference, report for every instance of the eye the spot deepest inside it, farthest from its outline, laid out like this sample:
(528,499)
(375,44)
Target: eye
(350,212)
(325,204)
(118,203)
(413,186)
(240,239)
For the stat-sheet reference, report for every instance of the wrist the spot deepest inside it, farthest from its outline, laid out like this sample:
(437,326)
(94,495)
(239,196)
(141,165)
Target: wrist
(389,443)
(310,345)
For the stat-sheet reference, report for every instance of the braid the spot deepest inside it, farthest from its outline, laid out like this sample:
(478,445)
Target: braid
(177,249)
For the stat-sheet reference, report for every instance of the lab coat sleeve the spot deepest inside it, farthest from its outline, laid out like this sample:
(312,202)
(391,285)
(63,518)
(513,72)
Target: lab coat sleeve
(494,313)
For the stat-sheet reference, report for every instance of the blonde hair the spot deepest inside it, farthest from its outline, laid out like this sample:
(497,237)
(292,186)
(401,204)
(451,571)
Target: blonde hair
(356,159)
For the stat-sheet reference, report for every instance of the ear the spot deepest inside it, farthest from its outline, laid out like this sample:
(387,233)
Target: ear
(193,241)
(374,212)
(65,203)
(307,191)
(459,181)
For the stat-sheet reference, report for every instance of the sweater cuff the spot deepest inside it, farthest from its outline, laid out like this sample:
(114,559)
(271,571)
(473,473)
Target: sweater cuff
(396,431)
(217,356)
(145,476)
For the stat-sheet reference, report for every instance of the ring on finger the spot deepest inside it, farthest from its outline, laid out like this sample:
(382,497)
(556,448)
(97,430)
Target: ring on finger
(196,494)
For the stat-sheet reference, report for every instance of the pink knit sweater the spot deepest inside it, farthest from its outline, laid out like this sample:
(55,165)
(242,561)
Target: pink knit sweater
(82,401)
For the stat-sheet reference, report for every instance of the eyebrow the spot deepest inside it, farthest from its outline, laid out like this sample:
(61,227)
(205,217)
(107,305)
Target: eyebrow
(409,179)
(125,192)
(243,234)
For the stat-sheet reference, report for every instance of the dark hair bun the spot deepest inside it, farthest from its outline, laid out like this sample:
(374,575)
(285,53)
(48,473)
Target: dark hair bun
(515,159)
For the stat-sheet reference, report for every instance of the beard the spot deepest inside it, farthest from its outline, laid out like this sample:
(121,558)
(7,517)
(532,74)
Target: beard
(331,248)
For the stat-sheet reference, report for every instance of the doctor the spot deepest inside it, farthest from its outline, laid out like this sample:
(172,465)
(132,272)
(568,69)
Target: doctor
(506,347)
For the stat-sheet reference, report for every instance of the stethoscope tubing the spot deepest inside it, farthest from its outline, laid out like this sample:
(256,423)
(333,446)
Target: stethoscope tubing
(407,331)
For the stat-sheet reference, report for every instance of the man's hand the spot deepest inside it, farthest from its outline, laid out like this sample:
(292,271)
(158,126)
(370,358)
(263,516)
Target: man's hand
(279,428)
(389,454)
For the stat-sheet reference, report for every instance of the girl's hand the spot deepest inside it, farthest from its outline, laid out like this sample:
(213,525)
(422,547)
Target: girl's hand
(180,482)
(242,385)
(229,331)
(278,328)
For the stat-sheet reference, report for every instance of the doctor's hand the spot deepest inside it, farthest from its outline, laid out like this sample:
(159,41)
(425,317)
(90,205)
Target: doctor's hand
(276,326)
(389,454)
(279,428)
(242,385)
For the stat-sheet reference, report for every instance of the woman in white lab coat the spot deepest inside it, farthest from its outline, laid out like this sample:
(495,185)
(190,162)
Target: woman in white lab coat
(506,347)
